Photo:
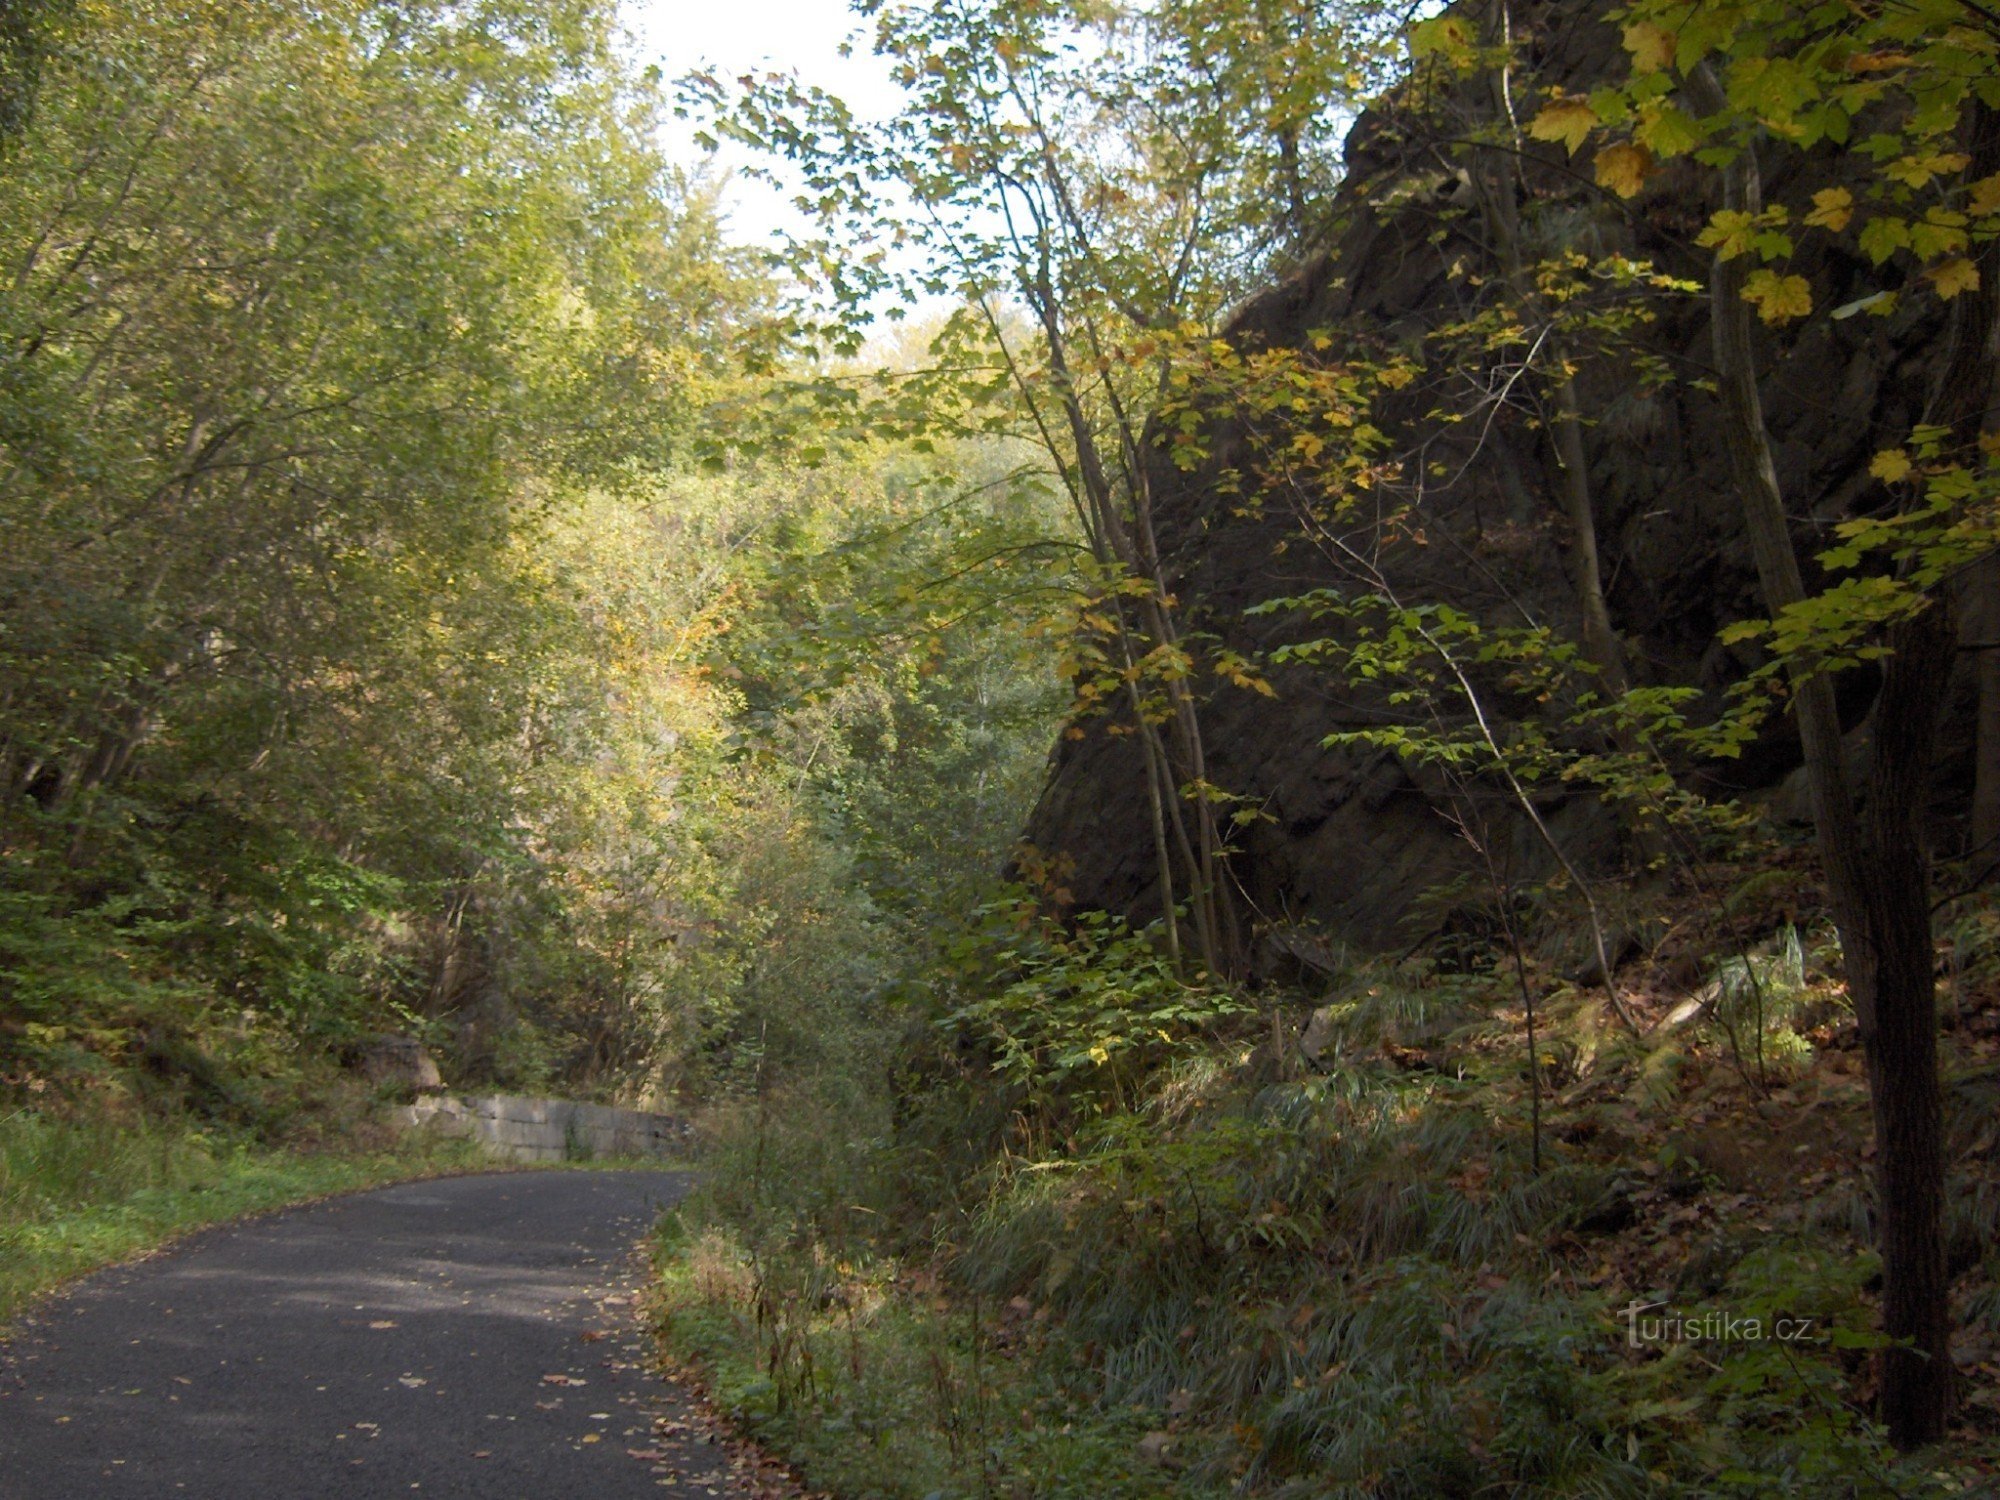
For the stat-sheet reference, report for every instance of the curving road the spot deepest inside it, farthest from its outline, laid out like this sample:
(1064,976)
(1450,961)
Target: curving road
(465,1337)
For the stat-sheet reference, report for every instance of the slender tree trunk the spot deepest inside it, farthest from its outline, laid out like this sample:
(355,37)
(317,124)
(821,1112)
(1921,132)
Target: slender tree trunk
(1159,786)
(1877,873)
(1979,624)
(1131,544)
(1918,1387)
(1495,185)
(1979,615)
(1496,188)
(1600,641)
(1983,625)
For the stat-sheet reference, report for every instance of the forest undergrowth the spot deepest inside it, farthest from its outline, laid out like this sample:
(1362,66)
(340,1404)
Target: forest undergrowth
(1334,1237)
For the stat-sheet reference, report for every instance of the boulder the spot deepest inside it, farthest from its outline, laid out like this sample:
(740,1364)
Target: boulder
(1319,1034)
(400,1060)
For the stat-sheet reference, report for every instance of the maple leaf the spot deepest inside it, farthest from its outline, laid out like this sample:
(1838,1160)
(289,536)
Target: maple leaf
(1447,36)
(1890,465)
(1918,170)
(1778,298)
(1938,234)
(1667,130)
(1882,238)
(1651,46)
(1832,208)
(1984,197)
(1569,120)
(1623,168)
(1729,233)
(1954,276)
(1877,62)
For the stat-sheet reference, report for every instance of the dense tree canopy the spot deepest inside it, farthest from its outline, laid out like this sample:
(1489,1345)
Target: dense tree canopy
(448,587)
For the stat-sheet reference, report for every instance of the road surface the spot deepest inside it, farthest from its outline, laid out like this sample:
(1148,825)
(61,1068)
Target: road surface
(464,1337)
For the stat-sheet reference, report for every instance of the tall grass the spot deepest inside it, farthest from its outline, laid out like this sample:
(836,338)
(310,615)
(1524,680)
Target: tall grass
(84,1189)
(50,1167)
(1356,1282)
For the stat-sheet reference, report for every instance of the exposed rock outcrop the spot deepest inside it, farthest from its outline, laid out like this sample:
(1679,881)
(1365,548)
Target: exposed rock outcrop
(399,1060)
(1356,840)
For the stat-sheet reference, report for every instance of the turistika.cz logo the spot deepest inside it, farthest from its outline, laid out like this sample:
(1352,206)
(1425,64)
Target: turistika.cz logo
(1651,1323)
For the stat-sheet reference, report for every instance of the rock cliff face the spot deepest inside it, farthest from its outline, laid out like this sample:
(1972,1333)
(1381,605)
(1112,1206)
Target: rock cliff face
(1358,839)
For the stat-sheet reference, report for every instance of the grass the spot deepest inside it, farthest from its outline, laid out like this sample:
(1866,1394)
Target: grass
(80,1193)
(1359,1280)
(875,1389)
(80,1190)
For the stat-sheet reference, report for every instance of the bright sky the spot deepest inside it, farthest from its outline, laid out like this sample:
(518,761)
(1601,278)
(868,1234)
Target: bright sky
(743,36)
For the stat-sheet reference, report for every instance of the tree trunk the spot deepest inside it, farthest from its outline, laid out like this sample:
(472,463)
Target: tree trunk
(1899,1034)
(1600,641)
(1495,186)
(1877,873)
(1979,621)
(1983,625)
(1494,182)
(1131,543)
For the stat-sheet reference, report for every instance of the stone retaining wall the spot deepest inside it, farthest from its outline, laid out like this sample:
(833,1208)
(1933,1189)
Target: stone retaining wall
(550,1129)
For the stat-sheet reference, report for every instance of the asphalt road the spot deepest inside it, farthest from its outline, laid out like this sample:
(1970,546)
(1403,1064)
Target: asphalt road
(466,1337)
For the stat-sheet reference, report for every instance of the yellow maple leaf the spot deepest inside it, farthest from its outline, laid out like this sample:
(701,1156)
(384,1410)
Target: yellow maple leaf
(1778,298)
(1954,276)
(1916,170)
(1729,233)
(1447,36)
(1985,196)
(1568,120)
(1623,168)
(1890,465)
(1651,46)
(1832,208)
